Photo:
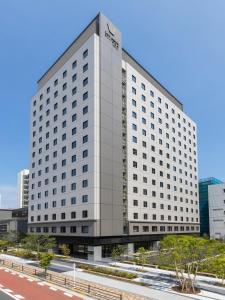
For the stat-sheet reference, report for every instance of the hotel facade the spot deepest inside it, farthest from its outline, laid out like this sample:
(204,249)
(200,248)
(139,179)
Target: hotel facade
(113,155)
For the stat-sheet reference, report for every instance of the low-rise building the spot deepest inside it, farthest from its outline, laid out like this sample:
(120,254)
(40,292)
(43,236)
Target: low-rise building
(13,220)
(217,211)
(204,203)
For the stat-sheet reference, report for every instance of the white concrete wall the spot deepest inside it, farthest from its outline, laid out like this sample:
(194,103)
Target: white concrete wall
(216,198)
(92,206)
(183,169)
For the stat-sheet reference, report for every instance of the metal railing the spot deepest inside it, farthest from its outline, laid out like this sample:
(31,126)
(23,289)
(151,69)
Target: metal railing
(92,290)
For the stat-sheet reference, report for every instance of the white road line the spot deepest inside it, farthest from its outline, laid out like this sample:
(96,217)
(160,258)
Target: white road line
(1,286)
(8,294)
(8,290)
(40,283)
(69,295)
(19,296)
(21,276)
(6,271)
(31,280)
(13,273)
(53,289)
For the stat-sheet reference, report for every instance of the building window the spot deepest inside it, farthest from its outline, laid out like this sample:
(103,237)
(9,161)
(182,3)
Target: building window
(73,172)
(145,228)
(85,183)
(85,96)
(133,78)
(85,198)
(64,74)
(85,53)
(84,214)
(85,110)
(135,228)
(85,124)
(85,68)
(85,168)
(85,139)
(73,215)
(85,153)
(73,229)
(74,64)
(135,216)
(73,186)
(84,229)
(62,229)
(73,200)
(74,77)
(63,202)
(85,81)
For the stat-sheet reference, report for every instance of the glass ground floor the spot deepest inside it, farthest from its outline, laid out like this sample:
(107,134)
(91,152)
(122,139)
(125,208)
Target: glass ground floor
(98,248)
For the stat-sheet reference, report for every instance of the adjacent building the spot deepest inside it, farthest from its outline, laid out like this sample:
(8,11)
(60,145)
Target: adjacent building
(204,203)
(217,211)
(23,188)
(13,220)
(113,155)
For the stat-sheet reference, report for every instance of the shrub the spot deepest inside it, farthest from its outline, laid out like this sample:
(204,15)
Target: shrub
(21,253)
(108,271)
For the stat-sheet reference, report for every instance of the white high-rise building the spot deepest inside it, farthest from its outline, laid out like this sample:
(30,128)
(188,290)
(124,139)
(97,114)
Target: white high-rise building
(217,211)
(23,188)
(114,156)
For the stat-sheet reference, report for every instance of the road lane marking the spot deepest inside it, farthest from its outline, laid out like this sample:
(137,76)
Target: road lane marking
(19,296)
(40,283)
(31,280)
(6,271)
(8,290)
(1,286)
(21,276)
(69,295)
(10,295)
(53,289)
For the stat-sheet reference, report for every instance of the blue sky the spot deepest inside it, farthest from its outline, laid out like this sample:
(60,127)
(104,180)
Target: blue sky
(182,43)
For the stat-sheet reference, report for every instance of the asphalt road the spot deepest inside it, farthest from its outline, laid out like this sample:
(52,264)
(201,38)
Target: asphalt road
(19,287)
(4,296)
(56,266)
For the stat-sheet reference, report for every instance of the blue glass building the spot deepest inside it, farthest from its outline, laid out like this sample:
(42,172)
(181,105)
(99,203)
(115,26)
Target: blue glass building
(204,204)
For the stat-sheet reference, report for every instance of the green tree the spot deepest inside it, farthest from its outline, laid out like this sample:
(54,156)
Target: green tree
(45,260)
(3,245)
(186,254)
(38,243)
(65,249)
(217,267)
(142,257)
(117,252)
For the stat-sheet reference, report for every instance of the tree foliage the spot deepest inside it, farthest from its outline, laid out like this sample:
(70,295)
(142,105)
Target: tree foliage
(3,245)
(117,252)
(186,254)
(142,257)
(12,237)
(45,260)
(38,243)
(216,266)
(65,249)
